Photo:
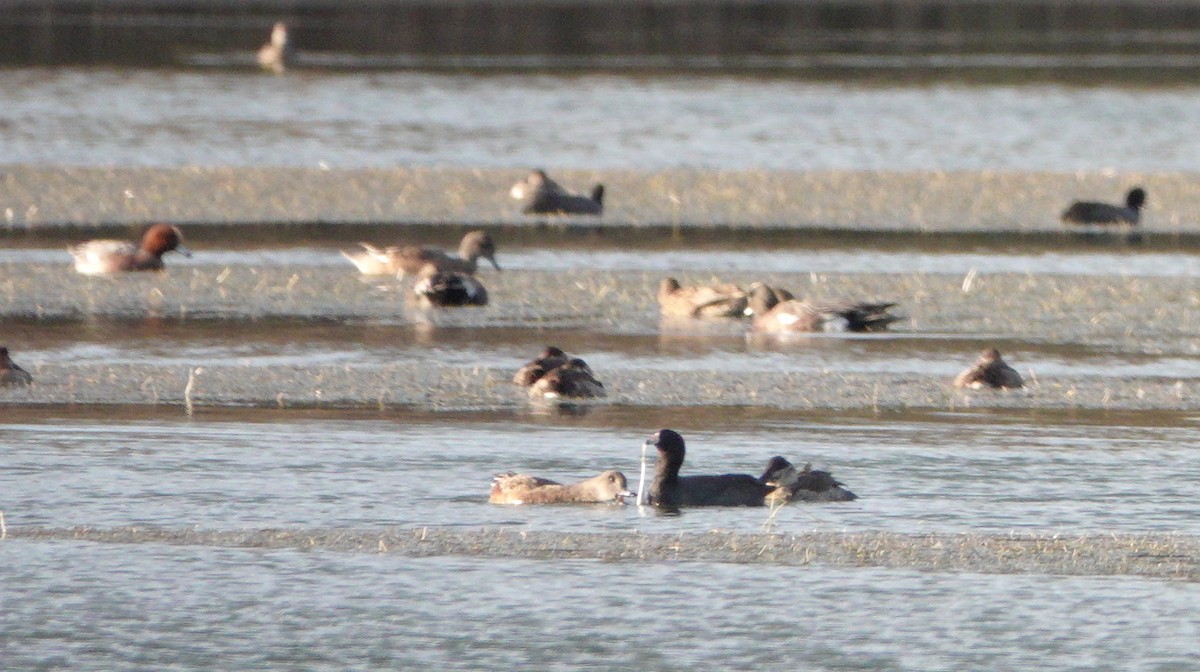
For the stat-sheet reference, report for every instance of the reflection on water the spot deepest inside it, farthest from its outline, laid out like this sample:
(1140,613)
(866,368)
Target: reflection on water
(947,473)
(104,117)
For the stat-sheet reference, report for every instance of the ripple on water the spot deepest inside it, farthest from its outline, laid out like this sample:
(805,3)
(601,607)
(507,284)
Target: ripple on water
(85,606)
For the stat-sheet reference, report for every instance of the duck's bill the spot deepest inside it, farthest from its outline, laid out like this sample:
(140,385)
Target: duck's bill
(183,250)
(494,263)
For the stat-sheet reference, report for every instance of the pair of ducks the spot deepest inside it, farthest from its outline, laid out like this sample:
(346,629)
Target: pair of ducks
(772,309)
(442,279)
(556,375)
(780,483)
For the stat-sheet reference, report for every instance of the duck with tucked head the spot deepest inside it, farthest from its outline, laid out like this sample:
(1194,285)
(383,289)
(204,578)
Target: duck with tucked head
(573,379)
(774,314)
(1086,213)
(670,490)
(802,485)
(550,359)
(542,196)
(990,370)
(412,259)
(513,488)
(10,373)
(98,257)
(447,289)
(278,54)
(715,300)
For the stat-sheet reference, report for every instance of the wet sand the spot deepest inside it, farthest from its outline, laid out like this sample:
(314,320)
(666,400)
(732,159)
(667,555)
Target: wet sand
(1069,313)
(1163,556)
(915,202)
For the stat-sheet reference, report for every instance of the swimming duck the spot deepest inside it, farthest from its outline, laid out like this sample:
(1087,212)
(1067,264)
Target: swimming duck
(278,54)
(513,488)
(572,379)
(804,485)
(669,489)
(716,300)
(97,257)
(551,358)
(770,314)
(543,196)
(990,370)
(1092,212)
(412,260)
(10,373)
(445,289)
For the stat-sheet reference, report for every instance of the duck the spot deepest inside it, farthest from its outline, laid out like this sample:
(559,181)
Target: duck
(1091,212)
(551,358)
(413,260)
(277,55)
(716,300)
(990,370)
(537,180)
(449,289)
(573,379)
(670,490)
(10,373)
(771,314)
(99,257)
(803,485)
(543,196)
(513,488)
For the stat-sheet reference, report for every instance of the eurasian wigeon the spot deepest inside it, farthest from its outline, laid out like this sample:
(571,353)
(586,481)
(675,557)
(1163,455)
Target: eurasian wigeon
(277,55)
(792,315)
(990,370)
(550,359)
(542,196)
(1086,213)
(669,489)
(446,289)
(573,379)
(715,300)
(411,259)
(98,257)
(513,488)
(10,373)
(803,485)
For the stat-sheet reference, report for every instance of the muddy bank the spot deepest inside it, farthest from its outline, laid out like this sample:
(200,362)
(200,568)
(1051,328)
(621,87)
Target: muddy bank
(915,202)
(1157,556)
(1069,317)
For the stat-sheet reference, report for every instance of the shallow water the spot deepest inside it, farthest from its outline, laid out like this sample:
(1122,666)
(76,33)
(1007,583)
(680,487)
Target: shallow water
(949,472)
(101,117)
(81,606)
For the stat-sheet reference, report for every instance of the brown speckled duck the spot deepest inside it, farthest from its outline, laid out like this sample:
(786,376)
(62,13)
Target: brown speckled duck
(413,260)
(990,370)
(716,300)
(550,359)
(573,379)
(513,488)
